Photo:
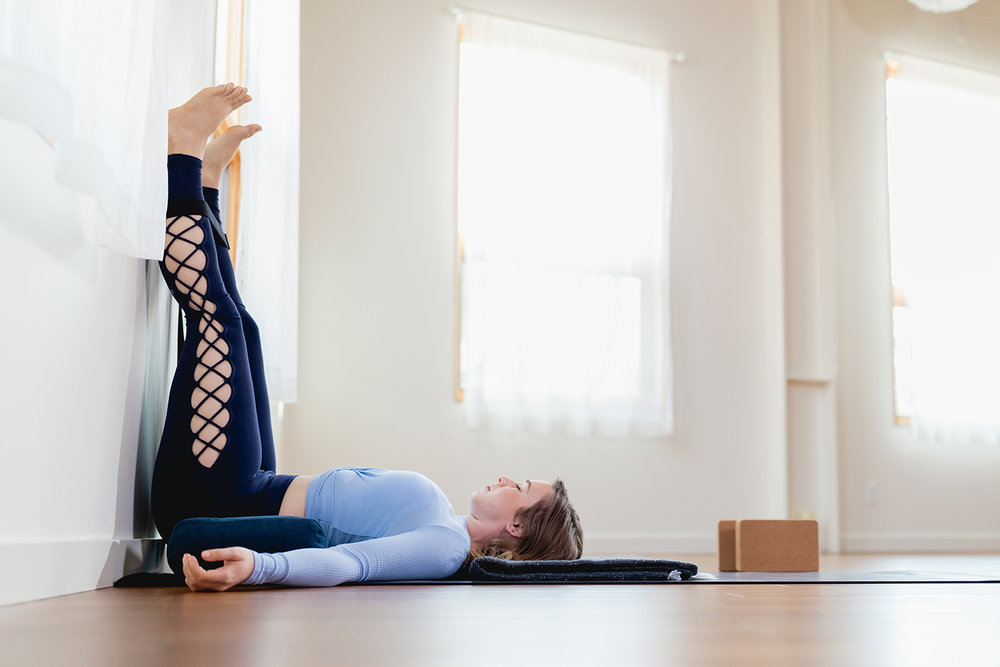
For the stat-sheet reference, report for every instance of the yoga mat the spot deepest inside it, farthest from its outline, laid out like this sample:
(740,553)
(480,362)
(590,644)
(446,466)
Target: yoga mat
(148,579)
(884,577)
(487,569)
(490,570)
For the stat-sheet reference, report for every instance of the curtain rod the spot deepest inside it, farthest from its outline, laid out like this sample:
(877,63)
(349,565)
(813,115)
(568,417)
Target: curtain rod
(456,11)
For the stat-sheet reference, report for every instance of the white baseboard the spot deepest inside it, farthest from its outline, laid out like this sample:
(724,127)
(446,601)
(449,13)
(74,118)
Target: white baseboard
(919,542)
(40,569)
(644,545)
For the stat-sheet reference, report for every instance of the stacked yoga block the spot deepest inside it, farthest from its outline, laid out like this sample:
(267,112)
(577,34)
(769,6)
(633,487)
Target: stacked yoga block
(769,545)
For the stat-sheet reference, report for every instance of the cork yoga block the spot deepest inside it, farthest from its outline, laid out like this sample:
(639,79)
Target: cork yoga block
(769,545)
(727,546)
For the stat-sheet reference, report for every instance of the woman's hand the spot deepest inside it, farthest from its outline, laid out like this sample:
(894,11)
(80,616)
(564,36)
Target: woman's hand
(237,566)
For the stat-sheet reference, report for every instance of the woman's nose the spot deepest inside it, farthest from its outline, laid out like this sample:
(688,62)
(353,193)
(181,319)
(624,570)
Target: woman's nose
(506,481)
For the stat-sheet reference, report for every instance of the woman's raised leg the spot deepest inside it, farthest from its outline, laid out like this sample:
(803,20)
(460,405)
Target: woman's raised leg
(209,459)
(218,154)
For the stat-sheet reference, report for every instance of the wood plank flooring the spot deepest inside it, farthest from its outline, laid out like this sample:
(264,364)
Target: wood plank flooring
(711,624)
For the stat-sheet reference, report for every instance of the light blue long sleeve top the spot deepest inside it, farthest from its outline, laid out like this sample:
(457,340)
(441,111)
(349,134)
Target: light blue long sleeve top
(382,525)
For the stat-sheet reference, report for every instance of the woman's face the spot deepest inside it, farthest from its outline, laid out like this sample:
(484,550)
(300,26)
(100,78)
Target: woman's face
(499,501)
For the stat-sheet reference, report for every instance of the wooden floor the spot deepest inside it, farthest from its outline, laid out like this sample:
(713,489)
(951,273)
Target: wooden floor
(715,624)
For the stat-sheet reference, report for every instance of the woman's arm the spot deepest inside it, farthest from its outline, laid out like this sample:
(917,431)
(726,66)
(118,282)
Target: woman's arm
(431,552)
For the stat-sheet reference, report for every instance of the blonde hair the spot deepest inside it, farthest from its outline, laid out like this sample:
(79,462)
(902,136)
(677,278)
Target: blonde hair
(550,530)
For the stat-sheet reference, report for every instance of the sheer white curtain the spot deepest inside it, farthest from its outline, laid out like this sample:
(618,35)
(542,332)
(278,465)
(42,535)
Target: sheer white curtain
(90,78)
(563,205)
(944,166)
(267,259)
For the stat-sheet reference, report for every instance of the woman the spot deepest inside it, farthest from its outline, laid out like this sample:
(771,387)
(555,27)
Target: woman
(216,456)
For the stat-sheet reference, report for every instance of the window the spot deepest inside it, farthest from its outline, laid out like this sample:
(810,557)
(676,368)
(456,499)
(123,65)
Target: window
(257,45)
(563,235)
(943,131)
(229,49)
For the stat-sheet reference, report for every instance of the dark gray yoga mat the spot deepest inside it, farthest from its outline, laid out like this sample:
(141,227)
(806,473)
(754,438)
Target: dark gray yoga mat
(884,577)
(488,570)
(145,579)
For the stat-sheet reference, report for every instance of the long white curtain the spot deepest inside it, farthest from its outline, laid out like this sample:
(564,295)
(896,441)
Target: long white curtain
(89,76)
(563,209)
(944,167)
(267,259)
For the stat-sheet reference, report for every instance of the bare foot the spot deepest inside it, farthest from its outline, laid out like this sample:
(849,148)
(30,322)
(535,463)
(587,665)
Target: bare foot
(190,125)
(220,152)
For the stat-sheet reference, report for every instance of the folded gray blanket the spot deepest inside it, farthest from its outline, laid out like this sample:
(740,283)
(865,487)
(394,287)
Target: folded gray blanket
(584,570)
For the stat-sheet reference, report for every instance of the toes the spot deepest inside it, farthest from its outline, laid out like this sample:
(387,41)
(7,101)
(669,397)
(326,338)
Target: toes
(243,131)
(237,96)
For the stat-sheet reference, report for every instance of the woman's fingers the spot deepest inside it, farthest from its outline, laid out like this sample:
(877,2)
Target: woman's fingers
(227,553)
(237,567)
(192,572)
(199,579)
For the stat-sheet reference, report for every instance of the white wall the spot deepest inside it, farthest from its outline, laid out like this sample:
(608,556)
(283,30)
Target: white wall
(84,361)
(930,495)
(72,359)
(377,284)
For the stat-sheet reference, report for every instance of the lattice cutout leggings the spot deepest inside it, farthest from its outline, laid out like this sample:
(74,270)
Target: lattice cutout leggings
(216,455)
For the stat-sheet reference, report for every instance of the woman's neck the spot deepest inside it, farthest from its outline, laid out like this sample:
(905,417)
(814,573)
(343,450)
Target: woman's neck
(479,535)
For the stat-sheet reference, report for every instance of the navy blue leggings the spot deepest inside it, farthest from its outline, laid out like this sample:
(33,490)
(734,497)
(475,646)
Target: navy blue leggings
(216,455)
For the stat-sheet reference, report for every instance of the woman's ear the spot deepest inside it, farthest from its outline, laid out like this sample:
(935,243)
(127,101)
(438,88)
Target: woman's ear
(514,529)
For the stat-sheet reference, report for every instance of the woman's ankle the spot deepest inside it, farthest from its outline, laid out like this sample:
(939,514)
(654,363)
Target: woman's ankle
(184,177)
